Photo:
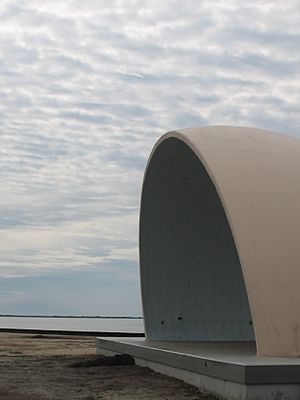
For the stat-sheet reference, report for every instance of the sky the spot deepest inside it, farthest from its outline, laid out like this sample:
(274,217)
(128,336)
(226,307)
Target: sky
(86,89)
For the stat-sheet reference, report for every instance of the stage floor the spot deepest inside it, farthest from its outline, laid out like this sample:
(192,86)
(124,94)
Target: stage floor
(227,369)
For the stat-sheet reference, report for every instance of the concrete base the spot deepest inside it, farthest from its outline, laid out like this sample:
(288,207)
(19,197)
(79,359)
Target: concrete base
(229,370)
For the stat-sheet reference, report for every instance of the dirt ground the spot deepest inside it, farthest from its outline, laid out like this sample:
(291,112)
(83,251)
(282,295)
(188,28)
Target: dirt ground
(37,367)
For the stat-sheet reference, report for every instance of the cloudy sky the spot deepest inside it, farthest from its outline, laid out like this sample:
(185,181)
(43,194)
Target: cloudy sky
(86,88)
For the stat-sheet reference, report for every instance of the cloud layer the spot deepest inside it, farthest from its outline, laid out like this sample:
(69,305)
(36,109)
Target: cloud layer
(88,87)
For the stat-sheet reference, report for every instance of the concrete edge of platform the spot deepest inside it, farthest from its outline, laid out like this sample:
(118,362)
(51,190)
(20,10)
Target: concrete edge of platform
(239,373)
(226,380)
(231,372)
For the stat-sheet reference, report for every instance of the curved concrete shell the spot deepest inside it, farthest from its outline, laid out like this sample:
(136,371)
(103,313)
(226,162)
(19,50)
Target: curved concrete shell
(219,238)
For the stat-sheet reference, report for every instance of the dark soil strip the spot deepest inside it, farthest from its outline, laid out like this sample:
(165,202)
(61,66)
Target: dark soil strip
(118,359)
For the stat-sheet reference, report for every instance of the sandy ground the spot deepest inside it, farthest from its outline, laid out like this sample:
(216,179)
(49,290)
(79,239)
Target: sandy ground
(37,367)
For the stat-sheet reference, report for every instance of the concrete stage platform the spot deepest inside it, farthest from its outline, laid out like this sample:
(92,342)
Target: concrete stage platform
(229,369)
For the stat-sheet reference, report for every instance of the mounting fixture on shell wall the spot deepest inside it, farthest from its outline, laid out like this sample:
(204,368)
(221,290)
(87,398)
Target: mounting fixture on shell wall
(219,231)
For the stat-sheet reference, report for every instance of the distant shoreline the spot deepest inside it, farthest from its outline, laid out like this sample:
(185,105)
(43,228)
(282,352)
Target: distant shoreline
(68,332)
(67,316)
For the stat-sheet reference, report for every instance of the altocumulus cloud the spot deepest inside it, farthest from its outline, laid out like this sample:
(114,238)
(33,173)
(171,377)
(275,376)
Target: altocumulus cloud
(86,89)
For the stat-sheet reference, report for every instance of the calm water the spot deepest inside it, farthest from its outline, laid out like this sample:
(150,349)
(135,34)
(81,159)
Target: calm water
(74,324)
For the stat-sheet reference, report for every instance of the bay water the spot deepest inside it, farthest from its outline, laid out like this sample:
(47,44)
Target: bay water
(132,325)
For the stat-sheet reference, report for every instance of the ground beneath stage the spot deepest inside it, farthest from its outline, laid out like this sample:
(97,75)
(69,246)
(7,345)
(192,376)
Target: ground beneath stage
(37,367)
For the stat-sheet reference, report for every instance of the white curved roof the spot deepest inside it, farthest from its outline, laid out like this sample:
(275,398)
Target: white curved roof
(257,176)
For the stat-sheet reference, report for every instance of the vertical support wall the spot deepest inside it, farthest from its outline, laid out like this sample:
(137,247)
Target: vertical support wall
(191,277)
